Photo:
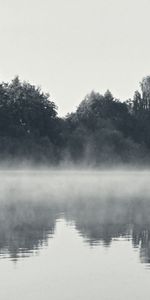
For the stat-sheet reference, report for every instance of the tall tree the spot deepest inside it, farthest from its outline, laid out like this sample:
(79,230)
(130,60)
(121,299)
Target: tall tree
(145,87)
(26,110)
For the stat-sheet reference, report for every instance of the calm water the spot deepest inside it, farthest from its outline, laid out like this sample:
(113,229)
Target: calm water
(74,235)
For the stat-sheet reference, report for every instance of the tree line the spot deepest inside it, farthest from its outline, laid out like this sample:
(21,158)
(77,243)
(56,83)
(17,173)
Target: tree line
(102,130)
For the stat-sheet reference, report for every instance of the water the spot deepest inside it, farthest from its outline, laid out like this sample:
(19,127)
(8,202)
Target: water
(74,235)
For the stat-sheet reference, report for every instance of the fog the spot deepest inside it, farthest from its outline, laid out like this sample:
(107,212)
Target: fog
(102,205)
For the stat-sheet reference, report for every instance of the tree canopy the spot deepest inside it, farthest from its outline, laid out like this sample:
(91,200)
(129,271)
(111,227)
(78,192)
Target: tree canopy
(103,129)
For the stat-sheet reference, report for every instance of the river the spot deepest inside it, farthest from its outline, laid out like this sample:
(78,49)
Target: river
(74,235)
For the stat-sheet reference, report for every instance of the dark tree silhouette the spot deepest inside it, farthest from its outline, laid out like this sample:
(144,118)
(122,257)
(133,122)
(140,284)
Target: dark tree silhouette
(102,129)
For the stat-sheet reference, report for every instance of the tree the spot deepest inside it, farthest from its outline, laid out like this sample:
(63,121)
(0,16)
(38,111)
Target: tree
(26,111)
(29,126)
(141,101)
(145,87)
(137,102)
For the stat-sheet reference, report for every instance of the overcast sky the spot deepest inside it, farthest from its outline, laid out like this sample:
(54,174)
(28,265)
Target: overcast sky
(70,47)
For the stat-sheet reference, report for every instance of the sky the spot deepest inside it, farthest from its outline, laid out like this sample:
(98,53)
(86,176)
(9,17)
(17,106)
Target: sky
(71,47)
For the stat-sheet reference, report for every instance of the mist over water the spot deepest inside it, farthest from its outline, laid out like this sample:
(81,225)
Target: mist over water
(102,205)
(67,213)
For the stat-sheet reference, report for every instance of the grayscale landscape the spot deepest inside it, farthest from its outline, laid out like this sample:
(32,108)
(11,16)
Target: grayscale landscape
(74,150)
(71,234)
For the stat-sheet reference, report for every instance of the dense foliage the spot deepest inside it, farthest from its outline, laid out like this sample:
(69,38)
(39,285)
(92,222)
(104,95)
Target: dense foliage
(103,130)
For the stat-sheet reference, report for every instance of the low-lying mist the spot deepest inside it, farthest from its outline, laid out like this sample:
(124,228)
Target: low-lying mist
(102,205)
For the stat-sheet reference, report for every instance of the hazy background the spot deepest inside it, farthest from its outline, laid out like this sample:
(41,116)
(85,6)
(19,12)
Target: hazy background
(70,47)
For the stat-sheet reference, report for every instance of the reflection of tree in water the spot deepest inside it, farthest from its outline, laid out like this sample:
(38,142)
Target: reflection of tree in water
(141,239)
(141,228)
(101,221)
(95,233)
(25,227)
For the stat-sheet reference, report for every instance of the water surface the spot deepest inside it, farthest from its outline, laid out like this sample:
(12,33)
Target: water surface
(74,235)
